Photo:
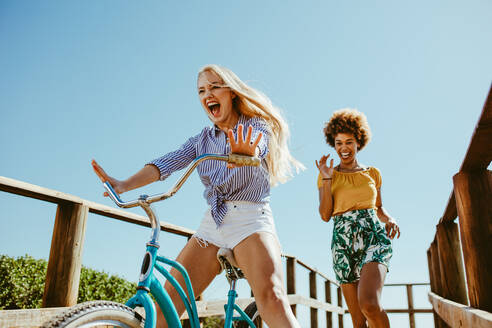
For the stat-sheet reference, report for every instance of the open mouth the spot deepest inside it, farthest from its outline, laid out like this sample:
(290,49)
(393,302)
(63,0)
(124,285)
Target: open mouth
(344,155)
(214,108)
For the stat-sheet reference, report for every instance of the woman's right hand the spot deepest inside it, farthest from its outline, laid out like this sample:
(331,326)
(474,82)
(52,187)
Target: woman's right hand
(326,171)
(117,185)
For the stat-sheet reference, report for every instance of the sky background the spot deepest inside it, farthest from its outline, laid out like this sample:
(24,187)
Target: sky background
(116,81)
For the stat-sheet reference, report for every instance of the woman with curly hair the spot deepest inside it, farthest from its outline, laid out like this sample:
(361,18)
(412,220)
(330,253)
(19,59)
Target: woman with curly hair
(350,193)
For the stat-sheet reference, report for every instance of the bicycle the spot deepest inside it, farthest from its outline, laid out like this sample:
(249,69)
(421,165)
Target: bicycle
(103,313)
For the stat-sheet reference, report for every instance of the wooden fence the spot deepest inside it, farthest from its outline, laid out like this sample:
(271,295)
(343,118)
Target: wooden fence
(62,279)
(65,260)
(457,303)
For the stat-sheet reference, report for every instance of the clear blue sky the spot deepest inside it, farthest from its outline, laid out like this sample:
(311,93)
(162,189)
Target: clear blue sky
(116,81)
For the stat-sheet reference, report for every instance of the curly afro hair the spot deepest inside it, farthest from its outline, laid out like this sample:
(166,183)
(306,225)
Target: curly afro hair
(348,120)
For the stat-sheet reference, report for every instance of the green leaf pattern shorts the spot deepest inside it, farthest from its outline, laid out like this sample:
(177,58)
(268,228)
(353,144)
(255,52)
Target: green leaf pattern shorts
(358,238)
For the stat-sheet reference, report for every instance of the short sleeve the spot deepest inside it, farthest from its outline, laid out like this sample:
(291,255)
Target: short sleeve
(260,125)
(376,176)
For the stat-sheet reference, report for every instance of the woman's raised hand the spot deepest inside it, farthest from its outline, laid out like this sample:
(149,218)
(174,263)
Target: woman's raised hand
(243,146)
(326,172)
(116,184)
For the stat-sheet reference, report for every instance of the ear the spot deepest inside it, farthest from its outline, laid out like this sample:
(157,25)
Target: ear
(233,95)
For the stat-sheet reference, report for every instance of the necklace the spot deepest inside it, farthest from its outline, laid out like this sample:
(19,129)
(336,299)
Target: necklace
(349,170)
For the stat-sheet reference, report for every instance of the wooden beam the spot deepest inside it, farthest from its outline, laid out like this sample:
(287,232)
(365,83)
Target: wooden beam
(450,263)
(313,294)
(450,213)
(411,310)
(479,153)
(459,315)
(33,191)
(28,318)
(212,308)
(291,279)
(63,273)
(473,192)
(329,316)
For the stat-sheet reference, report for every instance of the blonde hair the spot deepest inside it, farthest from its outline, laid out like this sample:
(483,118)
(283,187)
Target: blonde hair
(252,103)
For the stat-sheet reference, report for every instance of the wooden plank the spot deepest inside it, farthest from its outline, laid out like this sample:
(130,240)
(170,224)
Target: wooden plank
(313,294)
(459,315)
(450,213)
(340,304)
(29,190)
(479,153)
(411,310)
(329,316)
(291,279)
(28,318)
(473,192)
(63,273)
(122,215)
(216,307)
(450,263)
(33,191)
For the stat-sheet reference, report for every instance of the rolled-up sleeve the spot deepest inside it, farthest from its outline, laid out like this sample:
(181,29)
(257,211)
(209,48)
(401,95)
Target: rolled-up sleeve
(176,160)
(260,125)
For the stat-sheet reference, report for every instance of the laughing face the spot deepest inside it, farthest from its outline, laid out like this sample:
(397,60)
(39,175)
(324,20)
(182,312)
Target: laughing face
(346,147)
(216,99)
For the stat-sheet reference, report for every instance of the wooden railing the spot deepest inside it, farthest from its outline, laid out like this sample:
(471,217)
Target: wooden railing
(471,241)
(65,261)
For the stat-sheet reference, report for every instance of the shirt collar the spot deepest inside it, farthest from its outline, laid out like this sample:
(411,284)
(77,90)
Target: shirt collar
(242,120)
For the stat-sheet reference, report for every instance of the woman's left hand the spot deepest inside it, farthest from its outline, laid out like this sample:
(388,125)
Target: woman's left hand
(392,229)
(243,146)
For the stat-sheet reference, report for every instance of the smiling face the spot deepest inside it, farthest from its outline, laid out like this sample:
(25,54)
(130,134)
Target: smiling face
(216,99)
(346,147)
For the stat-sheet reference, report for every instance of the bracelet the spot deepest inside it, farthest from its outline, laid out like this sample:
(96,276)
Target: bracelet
(326,179)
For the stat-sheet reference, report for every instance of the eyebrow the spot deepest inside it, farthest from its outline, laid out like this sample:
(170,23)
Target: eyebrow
(349,139)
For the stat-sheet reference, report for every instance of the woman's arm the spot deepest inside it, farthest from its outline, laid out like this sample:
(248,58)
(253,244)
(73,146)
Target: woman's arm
(325,196)
(148,174)
(391,226)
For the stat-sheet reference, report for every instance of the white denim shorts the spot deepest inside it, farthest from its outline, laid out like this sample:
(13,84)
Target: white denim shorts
(241,220)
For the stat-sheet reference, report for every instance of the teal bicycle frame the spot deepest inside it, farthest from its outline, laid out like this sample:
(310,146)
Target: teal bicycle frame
(148,283)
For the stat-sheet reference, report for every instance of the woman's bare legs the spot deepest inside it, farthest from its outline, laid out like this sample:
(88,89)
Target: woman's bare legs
(350,293)
(202,267)
(259,258)
(369,294)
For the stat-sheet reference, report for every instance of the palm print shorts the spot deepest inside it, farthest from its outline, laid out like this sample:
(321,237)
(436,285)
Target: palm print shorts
(358,238)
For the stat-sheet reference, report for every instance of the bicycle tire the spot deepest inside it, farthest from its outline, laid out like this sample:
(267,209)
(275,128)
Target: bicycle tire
(97,314)
(252,312)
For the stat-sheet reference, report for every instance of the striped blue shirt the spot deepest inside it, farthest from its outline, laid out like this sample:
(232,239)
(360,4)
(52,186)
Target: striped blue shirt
(244,183)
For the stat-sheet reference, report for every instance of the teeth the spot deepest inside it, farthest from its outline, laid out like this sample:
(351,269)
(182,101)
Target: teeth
(211,103)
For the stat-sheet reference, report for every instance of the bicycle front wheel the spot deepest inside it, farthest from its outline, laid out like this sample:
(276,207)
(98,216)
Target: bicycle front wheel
(97,314)
(252,312)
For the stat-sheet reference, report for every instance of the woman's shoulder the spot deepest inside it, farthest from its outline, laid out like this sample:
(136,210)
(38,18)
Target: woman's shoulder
(255,121)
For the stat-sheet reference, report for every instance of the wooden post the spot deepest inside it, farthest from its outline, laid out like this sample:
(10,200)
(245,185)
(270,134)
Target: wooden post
(450,263)
(313,294)
(340,304)
(329,317)
(63,273)
(432,285)
(291,279)
(411,314)
(436,272)
(473,193)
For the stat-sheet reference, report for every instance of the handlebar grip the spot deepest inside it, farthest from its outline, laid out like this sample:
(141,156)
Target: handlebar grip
(244,160)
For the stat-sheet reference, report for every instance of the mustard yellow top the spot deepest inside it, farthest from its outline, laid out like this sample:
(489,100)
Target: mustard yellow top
(355,190)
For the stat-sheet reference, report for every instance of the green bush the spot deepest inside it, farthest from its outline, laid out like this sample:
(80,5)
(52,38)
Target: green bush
(22,284)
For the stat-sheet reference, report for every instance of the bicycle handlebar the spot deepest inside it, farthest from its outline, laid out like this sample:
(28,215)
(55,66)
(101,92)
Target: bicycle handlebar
(231,158)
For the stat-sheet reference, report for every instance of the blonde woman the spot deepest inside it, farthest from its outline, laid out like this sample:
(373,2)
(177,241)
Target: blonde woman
(239,216)
(350,194)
